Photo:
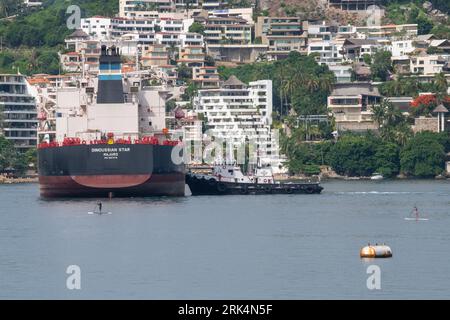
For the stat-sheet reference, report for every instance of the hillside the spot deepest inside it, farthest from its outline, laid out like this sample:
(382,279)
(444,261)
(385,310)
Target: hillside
(31,41)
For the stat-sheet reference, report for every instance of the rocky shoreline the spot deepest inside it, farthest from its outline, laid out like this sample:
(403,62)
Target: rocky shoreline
(9,180)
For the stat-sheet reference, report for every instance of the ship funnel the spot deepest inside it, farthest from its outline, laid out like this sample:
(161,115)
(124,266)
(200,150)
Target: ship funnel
(110,86)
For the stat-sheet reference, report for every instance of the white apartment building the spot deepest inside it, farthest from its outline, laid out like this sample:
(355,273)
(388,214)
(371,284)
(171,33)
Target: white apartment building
(405,31)
(122,26)
(343,73)
(402,47)
(18,112)
(128,8)
(97,27)
(328,52)
(135,8)
(191,39)
(236,111)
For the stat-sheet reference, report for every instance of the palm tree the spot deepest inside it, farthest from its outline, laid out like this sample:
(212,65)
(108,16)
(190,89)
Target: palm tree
(440,83)
(312,83)
(327,82)
(261,57)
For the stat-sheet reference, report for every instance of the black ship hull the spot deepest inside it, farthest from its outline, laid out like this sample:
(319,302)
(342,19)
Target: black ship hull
(118,170)
(204,186)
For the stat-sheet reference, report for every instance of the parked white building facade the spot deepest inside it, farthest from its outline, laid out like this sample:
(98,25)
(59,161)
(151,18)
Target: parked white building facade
(236,111)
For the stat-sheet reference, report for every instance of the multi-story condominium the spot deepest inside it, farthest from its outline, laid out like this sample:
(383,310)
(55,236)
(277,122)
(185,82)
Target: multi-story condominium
(120,26)
(348,31)
(355,49)
(18,121)
(83,53)
(402,47)
(134,8)
(343,73)
(206,77)
(389,31)
(282,34)
(327,52)
(428,64)
(155,55)
(238,53)
(167,73)
(192,56)
(71,61)
(76,40)
(321,31)
(236,111)
(168,39)
(227,30)
(191,39)
(97,27)
(244,13)
(351,105)
(353,5)
(128,8)
(213,4)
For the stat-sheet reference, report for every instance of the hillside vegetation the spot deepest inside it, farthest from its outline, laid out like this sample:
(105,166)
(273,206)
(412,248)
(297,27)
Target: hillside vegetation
(32,39)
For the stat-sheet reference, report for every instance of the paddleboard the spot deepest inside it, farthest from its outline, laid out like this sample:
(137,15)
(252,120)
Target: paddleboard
(418,219)
(99,213)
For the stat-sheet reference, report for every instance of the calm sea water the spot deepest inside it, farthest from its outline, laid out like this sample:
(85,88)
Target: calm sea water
(237,247)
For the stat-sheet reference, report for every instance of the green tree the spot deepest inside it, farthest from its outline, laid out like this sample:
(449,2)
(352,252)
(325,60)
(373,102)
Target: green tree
(10,7)
(209,61)
(170,105)
(197,27)
(392,124)
(8,154)
(184,72)
(354,156)
(387,161)
(441,85)
(381,66)
(423,155)
(31,157)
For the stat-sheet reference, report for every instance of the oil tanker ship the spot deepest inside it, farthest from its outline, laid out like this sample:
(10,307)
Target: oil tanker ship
(105,141)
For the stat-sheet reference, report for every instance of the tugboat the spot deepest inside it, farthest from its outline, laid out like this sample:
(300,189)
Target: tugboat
(229,180)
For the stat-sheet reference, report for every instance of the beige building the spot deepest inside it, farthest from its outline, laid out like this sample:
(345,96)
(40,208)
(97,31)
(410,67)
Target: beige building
(192,56)
(351,105)
(282,35)
(156,55)
(227,30)
(427,64)
(206,77)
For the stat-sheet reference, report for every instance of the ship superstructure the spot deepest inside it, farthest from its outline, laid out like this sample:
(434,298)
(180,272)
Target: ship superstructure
(106,136)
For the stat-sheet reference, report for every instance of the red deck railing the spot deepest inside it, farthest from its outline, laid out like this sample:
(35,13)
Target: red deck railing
(78,142)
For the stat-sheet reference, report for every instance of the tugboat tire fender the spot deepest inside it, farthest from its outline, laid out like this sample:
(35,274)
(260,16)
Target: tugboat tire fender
(221,187)
(309,190)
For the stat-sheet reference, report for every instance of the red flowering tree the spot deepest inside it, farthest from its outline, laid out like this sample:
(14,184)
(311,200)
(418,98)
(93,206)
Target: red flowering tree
(446,102)
(423,105)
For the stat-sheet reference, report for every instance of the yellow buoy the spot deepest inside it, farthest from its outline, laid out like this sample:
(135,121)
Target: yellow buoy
(376,251)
